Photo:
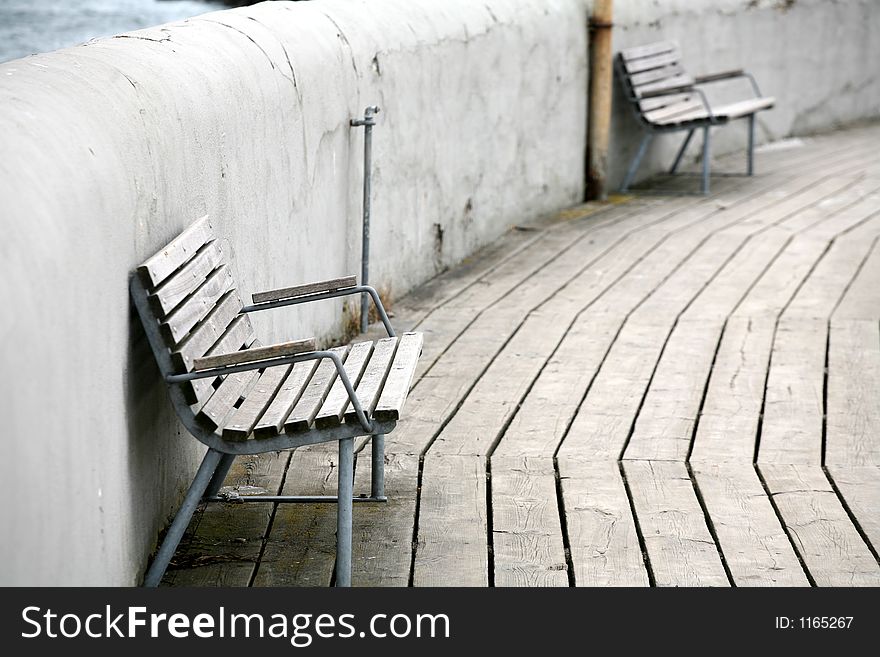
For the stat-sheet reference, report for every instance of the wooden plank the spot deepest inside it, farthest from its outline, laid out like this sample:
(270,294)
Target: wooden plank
(668,415)
(452,547)
(822,533)
(861,300)
(860,489)
(732,408)
(602,424)
(400,377)
(650,104)
(337,400)
(240,334)
(673,111)
(176,325)
(208,332)
(253,355)
(673,84)
(526,529)
(289,392)
(755,546)
(223,541)
(382,534)
(791,431)
(648,50)
(306,289)
(303,413)
(605,548)
(177,252)
(853,411)
(369,388)
(225,398)
(301,550)
(656,74)
(242,422)
(651,62)
(743,107)
(679,545)
(179,286)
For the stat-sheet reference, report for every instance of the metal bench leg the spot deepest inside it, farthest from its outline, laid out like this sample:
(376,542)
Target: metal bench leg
(181,520)
(634,165)
(706,156)
(377,468)
(750,168)
(343,512)
(687,140)
(219,475)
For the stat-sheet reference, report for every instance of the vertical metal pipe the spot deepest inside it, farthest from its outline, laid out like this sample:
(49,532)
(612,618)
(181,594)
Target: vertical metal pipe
(219,475)
(751,162)
(343,512)
(377,471)
(634,165)
(687,140)
(181,520)
(600,99)
(706,157)
(367,122)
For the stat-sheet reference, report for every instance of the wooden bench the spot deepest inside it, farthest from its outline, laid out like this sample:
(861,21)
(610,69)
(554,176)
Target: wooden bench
(666,99)
(239,397)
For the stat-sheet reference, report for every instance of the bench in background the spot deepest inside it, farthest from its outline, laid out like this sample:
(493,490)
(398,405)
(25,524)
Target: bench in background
(666,99)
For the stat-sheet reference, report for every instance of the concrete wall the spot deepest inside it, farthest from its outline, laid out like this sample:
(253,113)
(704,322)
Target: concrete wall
(110,149)
(817,57)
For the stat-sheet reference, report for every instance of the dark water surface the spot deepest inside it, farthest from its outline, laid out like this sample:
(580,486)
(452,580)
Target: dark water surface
(31,26)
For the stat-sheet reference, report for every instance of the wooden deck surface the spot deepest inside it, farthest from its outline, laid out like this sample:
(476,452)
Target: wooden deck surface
(670,391)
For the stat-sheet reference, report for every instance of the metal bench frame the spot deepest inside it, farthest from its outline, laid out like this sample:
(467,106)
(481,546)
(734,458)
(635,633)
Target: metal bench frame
(704,124)
(221,453)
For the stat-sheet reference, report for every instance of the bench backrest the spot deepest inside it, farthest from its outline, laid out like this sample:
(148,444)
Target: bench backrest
(187,300)
(652,68)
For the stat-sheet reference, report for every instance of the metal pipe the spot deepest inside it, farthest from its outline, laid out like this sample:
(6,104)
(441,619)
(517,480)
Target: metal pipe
(235,498)
(600,99)
(706,156)
(750,168)
(687,140)
(343,512)
(367,122)
(377,464)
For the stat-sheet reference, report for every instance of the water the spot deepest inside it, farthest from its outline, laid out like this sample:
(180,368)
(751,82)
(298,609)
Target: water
(31,26)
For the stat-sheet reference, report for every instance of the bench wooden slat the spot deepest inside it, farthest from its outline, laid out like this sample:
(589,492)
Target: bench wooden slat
(242,421)
(337,399)
(648,104)
(656,74)
(399,378)
(239,335)
(226,396)
(289,393)
(197,306)
(648,50)
(181,249)
(303,414)
(675,82)
(180,285)
(370,386)
(744,107)
(208,331)
(671,112)
(305,290)
(652,62)
(252,355)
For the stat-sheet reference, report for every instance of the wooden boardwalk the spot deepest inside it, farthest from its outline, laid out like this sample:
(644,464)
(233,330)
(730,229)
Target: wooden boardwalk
(670,391)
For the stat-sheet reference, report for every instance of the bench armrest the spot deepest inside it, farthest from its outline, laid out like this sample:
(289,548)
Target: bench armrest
(337,287)
(299,291)
(254,355)
(721,75)
(295,352)
(729,75)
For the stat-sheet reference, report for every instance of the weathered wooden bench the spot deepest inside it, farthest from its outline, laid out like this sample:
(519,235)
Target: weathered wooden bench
(239,397)
(665,99)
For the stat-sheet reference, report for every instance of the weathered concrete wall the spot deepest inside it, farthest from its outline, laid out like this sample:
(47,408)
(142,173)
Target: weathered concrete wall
(817,57)
(110,149)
